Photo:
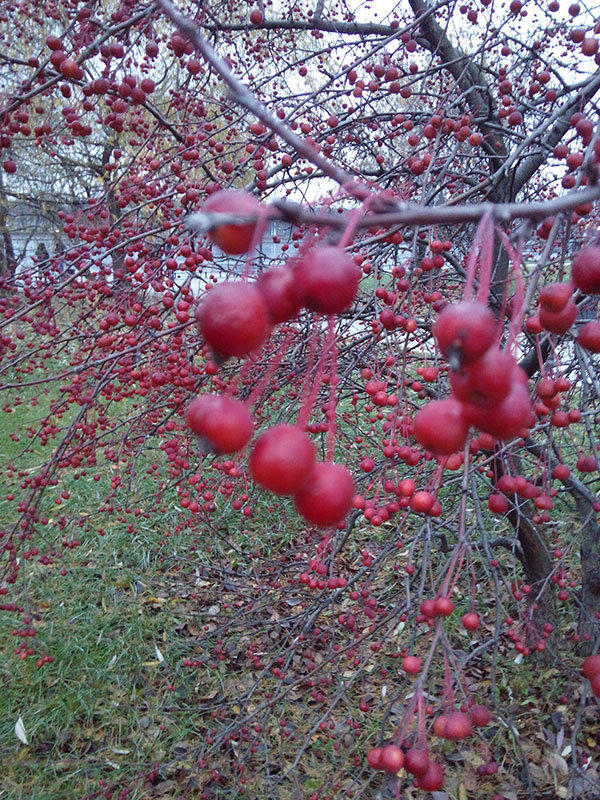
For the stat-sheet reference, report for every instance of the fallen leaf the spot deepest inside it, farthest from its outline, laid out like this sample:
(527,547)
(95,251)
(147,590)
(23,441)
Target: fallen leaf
(558,763)
(20,731)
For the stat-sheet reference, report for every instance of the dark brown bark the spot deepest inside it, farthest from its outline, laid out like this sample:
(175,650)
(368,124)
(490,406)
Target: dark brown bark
(7,253)
(536,558)
(589,549)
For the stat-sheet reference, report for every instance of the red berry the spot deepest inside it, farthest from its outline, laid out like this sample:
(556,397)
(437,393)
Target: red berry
(458,726)
(470,621)
(441,426)
(561,472)
(443,606)
(412,664)
(509,418)
(282,459)
(498,504)
(327,280)
(585,270)
(589,336)
(392,759)
(70,69)
(595,684)
(256,16)
(233,319)
(416,762)
(465,330)
(433,779)
(439,725)
(555,296)
(486,381)
(326,496)
(591,666)
(374,758)
(53,42)
(427,608)
(278,288)
(231,238)
(558,322)
(480,716)
(422,502)
(224,422)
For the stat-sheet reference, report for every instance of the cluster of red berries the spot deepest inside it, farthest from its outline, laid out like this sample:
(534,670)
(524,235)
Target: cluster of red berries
(489,389)
(453,725)
(235,319)
(428,774)
(557,310)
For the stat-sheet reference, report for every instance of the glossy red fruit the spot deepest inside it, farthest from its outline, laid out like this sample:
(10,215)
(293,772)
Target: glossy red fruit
(555,296)
(586,464)
(406,487)
(225,423)
(561,472)
(422,502)
(443,606)
(433,779)
(509,418)
(233,319)
(441,426)
(282,459)
(416,762)
(506,484)
(464,331)
(497,504)
(374,758)
(412,665)
(326,496)
(589,336)
(458,726)
(486,381)
(278,288)
(327,280)
(470,621)
(585,270)
(591,666)
(439,725)
(427,608)
(595,684)
(233,239)
(558,322)
(391,759)
(480,716)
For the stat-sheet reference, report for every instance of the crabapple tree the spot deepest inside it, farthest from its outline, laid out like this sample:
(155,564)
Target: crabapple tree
(397,366)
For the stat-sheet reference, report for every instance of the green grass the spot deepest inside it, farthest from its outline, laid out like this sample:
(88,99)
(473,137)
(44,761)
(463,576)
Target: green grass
(108,707)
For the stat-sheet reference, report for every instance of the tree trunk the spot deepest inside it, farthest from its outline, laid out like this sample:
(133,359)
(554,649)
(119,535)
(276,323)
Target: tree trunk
(537,561)
(7,253)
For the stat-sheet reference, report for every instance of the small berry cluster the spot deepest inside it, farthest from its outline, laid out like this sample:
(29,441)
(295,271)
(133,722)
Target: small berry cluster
(235,319)
(489,389)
